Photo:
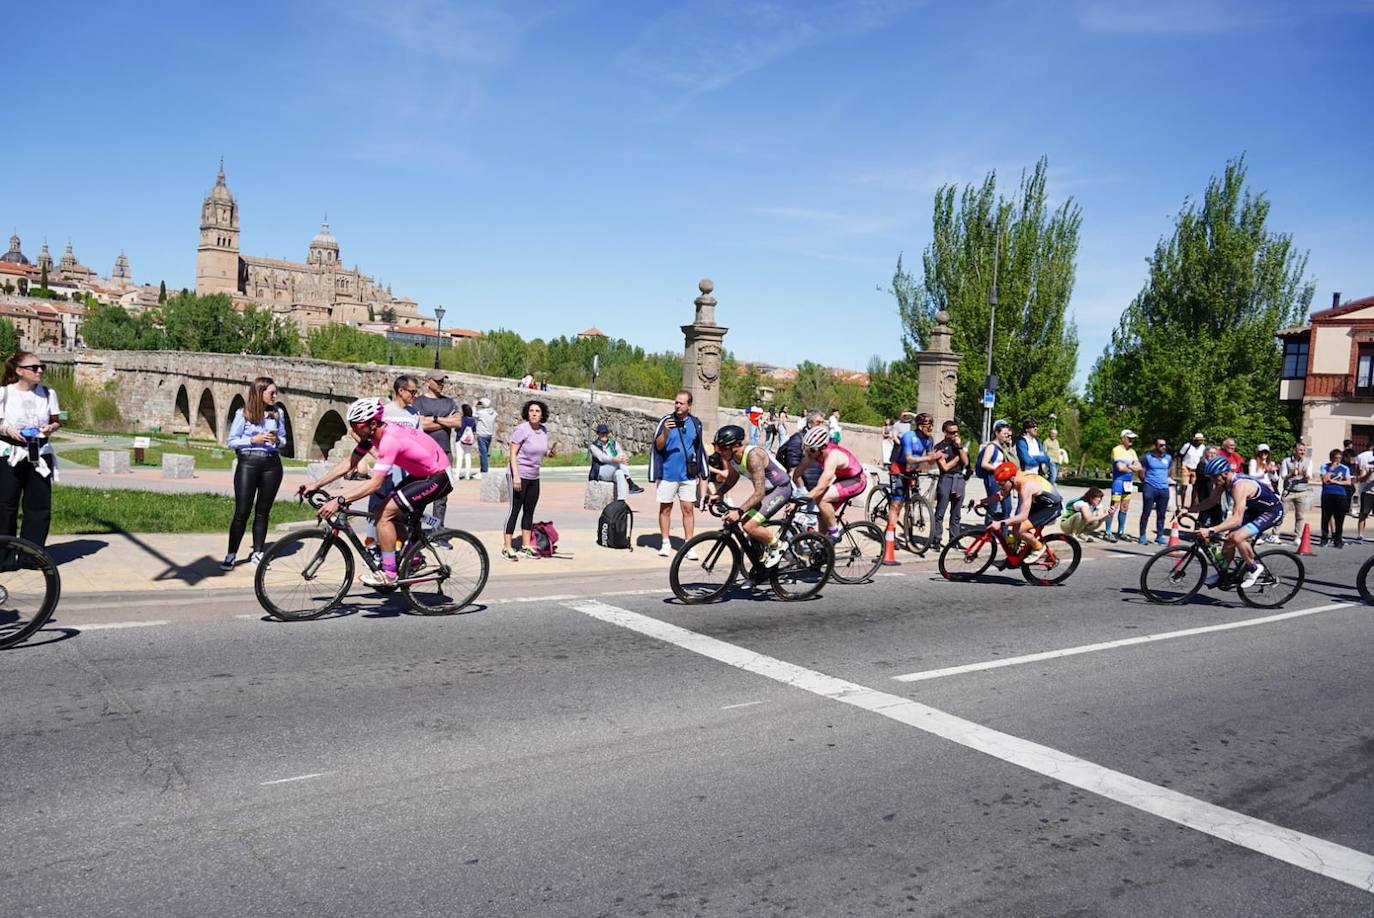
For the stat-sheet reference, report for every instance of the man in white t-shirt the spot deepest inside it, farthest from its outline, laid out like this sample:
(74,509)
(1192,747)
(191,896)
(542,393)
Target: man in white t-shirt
(1188,458)
(1364,489)
(1296,476)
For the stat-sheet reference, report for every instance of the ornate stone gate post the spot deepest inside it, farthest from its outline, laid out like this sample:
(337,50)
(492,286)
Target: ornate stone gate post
(938,373)
(701,358)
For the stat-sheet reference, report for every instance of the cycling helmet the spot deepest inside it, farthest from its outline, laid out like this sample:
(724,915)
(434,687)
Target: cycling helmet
(729,435)
(1215,466)
(923,418)
(1005,471)
(815,437)
(364,410)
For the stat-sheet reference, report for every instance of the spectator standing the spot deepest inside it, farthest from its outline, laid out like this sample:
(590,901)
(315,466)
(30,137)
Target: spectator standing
(401,409)
(755,416)
(1296,474)
(464,443)
(1030,452)
(611,463)
(1228,452)
(1266,470)
(793,452)
(951,461)
(678,465)
(439,418)
(1056,454)
(783,421)
(1348,460)
(1202,489)
(28,466)
(529,443)
(1154,491)
(770,429)
(1363,469)
(485,415)
(257,436)
(1083,515)
(1125,464)
(834,424)
(1335,499)
(991,455)
(526,381)
(1188,459)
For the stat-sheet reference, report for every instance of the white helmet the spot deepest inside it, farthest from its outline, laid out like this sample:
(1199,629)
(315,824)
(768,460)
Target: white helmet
(815,437)
(364,410)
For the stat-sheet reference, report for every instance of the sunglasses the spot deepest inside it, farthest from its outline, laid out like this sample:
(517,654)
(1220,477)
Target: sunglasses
(36,367)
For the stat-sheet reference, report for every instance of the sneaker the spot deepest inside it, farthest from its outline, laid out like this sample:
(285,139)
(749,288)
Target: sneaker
(1358,540)
(665,550)
(228,563)
(1161,540)
(1034,556)
(477,477)
(255,558)
(773,555)
(1144,541)
(1252,576)
(636,489)
(509,554)
(1322,542)
(1109,537)
(379,578)
(692,555)
(528,552)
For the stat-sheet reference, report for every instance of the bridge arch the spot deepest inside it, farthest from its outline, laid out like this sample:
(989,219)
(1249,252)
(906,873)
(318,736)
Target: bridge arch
(234,407)
(329,431)
(181,414)
(288,449)
(207,419)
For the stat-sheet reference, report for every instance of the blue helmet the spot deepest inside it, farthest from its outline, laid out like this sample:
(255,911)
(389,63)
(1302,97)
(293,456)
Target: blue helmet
(1215,466)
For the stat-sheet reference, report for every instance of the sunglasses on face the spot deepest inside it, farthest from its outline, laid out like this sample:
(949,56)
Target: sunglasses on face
(36,367)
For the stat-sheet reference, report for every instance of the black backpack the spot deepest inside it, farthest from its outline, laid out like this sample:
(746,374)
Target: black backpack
(616,526)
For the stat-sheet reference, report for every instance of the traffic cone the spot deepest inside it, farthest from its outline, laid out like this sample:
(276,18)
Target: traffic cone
(1305,543)
(1173,536)
(890,546)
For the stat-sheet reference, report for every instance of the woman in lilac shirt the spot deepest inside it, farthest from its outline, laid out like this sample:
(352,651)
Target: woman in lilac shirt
(528,444)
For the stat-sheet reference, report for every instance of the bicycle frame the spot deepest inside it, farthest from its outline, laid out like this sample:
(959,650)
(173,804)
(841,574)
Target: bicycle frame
(1014,556)
(337,526)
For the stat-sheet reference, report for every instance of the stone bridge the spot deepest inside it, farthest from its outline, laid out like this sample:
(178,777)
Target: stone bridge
(199,394)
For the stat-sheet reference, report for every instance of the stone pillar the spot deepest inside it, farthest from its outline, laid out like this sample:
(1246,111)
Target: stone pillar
(938,373)
(701,358)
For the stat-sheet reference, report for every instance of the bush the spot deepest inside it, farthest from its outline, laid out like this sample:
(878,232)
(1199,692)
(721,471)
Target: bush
(87,407)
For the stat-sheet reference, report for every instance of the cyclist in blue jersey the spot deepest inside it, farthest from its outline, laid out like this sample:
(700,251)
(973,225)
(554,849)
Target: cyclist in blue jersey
(915,449)
(1255,509)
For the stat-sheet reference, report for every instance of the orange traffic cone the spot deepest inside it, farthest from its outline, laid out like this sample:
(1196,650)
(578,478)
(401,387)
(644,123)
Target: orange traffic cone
(1173,536)
(1305,543)
(890,546)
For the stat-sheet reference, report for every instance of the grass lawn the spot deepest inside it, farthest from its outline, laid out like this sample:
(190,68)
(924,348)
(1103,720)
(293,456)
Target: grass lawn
(81,511)
(152,457)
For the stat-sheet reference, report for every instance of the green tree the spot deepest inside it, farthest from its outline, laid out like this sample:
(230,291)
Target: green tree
(43,277)
(892,387)
(1035,346)
(162,291)
(343,342)
(112,328)
(389,315)
(9,338)
(1195,350)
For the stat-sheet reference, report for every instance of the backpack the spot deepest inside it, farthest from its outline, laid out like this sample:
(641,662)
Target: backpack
(616,526)
(545,539)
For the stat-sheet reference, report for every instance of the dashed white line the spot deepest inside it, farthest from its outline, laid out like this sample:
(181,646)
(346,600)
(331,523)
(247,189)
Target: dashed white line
(316,774)
(742,704)
(1306,851)
(1112,645)
(110,626)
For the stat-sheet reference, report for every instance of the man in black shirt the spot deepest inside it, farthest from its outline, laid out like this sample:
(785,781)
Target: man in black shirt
(438,416)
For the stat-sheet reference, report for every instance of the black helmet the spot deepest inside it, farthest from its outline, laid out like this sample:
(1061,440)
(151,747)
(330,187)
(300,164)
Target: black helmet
(729,435)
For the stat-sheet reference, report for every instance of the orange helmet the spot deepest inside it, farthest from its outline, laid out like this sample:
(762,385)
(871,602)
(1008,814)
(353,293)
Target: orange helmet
(1005,471)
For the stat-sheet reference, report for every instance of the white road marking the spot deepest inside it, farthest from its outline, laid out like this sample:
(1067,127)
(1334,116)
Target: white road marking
(1112,645)
(317,774)
(109,626)
(1308,852)
(742,704)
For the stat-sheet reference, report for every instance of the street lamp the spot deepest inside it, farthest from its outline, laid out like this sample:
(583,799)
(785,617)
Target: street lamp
(438,332)
(992,324)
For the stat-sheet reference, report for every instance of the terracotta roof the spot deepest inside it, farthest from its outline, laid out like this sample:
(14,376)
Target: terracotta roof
(416,330)
(1294,332)
(464,333)
(1348,306)
(592,332)
(23,270)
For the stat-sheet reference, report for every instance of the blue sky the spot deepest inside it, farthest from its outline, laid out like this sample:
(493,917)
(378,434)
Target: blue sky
(548,166)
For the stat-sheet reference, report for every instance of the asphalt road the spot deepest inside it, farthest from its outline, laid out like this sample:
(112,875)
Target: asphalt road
(613,753)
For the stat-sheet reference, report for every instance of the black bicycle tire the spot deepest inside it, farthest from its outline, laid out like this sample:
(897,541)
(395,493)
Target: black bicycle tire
(960,544)
(1056,538)
(775,574)
(728,544)
(879,495)
(866,575)
(52,590)
(450,535)
(1362,581)
(1302,579)
(911,520)
(279,548)
(1175,551)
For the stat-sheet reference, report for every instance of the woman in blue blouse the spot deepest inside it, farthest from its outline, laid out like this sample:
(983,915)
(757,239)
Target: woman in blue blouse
(257,434)
(1335,499)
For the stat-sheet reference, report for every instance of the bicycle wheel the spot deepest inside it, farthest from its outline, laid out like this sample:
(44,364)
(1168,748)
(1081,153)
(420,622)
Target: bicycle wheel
(1362,581)
(29,589)
(1062,554)
(917,518)
(876,505)
(805,567)
(968,556)
(1283,576)
(708,578)
(1173,575)
(304,575)
(440,581)
(859,553)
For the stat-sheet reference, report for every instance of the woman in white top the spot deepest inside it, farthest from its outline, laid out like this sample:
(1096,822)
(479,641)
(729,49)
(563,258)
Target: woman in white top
(28,416)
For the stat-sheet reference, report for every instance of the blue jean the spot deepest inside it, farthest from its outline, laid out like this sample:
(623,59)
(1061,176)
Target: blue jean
(1156,499)
(615,472)
(483,447)
(753,435)
(1054,473)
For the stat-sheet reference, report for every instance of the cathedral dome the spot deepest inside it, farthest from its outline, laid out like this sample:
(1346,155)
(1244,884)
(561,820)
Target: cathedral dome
(14,256)
(324,239)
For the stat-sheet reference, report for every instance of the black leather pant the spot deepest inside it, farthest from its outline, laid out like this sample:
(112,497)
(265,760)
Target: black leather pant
(257,477)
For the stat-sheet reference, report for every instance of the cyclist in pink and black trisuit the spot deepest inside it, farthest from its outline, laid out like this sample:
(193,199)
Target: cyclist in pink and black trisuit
(842,476)
(422,461)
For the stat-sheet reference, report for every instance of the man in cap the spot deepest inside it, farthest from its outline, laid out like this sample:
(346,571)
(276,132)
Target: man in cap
(1125,464)
(611,463)
(1188,458)
(439,415)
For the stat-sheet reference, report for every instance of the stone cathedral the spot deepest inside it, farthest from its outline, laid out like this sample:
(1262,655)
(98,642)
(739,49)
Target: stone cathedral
(315,292)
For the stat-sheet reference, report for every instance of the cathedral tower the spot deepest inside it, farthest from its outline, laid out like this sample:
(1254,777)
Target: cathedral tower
(217,258)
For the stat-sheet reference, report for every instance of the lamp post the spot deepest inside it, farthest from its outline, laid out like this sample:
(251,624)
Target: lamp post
(438,331)
(992,323)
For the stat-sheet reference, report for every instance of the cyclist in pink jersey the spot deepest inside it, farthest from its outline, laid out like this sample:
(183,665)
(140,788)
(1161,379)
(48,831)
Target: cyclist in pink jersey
(422,461)
(842,476)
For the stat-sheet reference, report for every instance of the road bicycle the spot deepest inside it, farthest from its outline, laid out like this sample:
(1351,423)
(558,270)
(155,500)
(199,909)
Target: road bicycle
(913,525)
(308,573)
(1363,578)
(29,589)
(808,560)
(859,551)
(973,552)
(1175,574)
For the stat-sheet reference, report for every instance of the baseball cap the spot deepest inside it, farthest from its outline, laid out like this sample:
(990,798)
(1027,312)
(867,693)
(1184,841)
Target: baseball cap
(1129,433)
(1199,436)
(1262,448)
(484,403)
(602,428)
(437,375)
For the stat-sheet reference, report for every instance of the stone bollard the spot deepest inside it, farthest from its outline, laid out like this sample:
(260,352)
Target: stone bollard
(597,495)
(176,465)
(495,489)
(114,462)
